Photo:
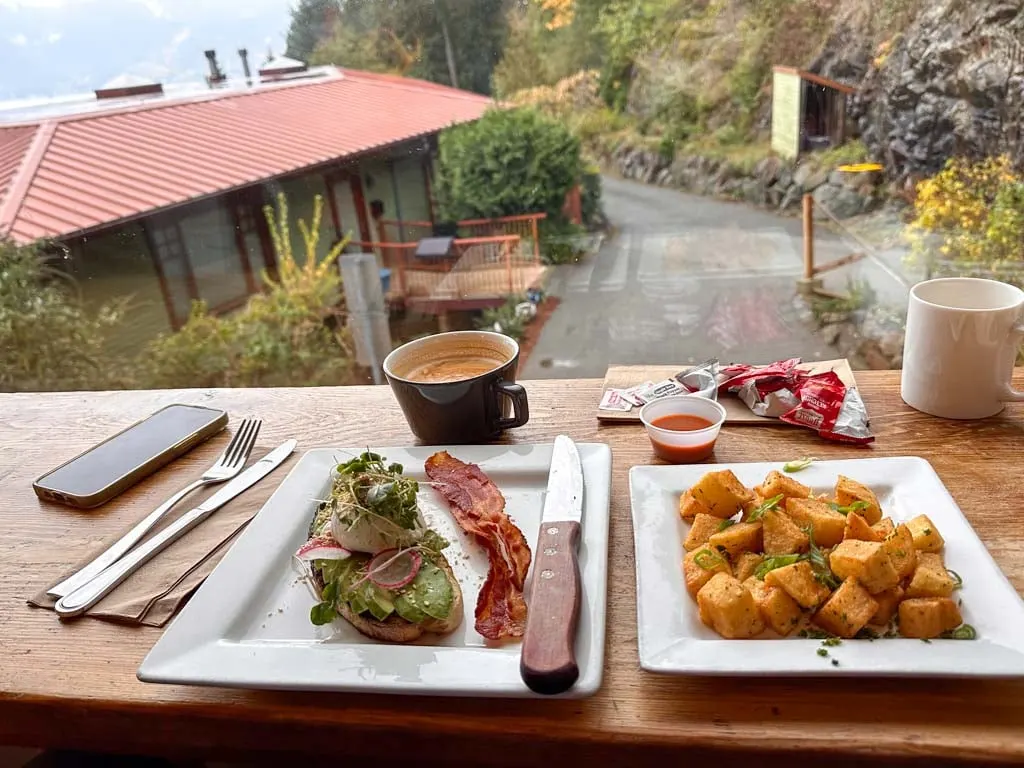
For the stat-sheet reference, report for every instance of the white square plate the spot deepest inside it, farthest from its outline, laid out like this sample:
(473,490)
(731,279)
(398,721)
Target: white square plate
(673,639)
(248,625)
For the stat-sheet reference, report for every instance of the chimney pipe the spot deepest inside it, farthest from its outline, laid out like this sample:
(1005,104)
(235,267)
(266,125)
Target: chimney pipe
(216,77)
(244,55)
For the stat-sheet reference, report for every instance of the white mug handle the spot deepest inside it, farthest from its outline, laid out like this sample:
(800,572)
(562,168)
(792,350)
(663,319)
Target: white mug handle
(1009,394)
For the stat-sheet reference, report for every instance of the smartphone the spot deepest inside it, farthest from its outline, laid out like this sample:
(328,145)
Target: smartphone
(115,465)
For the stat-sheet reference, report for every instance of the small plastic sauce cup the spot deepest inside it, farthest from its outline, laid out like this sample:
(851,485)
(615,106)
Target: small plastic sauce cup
(683,446)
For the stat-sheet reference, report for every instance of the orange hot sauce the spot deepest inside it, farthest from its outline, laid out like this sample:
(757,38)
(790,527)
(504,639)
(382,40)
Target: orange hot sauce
(682,454)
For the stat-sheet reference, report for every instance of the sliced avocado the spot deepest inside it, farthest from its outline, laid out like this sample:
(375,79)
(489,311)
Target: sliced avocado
(378,601)
(434,593)
(407,608)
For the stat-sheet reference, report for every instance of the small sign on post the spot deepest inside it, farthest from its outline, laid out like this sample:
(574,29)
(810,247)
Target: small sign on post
(368,313)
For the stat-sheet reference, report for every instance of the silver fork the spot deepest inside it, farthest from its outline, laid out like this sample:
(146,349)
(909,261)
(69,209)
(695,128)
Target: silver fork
(226,467)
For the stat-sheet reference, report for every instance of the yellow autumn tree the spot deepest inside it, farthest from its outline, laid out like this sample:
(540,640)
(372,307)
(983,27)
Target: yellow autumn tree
(971,212)
(560,12)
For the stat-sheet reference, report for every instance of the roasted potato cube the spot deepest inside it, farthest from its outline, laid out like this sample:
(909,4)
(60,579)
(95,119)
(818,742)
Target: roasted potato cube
(847,611)
(828,525)
(926,617)
(926,535)
(689,507)
(778,609)
(857,528)
(727,607)
(849,491)
(779,484)
(887,603)
(931,579)
(781,535)
(703,527)
(722,493)
(746,564)
(885,526)
(866,561)
(700,565)
(798,582)
(900,547)
(740,537)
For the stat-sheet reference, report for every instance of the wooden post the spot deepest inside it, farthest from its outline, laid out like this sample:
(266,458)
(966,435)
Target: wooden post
(808,237)
(536,241)
(508,267)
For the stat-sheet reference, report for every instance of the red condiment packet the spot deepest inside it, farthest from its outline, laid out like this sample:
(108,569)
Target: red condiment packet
(830,408)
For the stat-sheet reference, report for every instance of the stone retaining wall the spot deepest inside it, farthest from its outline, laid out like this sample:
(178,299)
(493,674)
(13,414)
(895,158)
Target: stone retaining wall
(771,183)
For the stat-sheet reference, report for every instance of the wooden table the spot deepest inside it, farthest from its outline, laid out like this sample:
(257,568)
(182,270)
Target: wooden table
(74,685)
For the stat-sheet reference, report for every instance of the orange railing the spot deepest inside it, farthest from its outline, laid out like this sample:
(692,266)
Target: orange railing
(477,267)
(526,227)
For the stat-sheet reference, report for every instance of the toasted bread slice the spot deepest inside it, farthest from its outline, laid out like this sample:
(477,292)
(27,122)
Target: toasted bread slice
(395,629)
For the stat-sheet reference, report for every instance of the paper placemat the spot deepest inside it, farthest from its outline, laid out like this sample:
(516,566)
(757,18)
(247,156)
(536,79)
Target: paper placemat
(736,411)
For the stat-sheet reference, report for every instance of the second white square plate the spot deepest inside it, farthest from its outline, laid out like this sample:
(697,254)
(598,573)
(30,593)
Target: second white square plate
(248,625)
(673,640)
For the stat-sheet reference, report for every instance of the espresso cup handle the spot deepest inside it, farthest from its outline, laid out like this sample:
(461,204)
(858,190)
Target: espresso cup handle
(1009,394)
(520,405)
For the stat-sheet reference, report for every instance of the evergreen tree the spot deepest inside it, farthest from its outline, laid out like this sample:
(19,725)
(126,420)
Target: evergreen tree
(312,22)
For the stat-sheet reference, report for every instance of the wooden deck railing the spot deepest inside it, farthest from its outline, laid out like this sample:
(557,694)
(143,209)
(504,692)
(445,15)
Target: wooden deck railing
(483,267)
(526,227)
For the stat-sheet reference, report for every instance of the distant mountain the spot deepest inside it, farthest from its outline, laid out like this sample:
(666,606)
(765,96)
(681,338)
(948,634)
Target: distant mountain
(54,47)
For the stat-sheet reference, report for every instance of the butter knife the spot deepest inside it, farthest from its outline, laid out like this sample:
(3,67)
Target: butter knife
(86,596)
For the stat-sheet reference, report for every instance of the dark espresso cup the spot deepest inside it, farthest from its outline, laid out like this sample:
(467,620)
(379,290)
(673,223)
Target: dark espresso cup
(458,387)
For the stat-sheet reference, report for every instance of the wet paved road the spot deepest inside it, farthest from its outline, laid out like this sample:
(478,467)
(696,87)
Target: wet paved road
(686,278)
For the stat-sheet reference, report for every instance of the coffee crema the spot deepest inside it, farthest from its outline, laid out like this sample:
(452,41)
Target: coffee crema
(453,369)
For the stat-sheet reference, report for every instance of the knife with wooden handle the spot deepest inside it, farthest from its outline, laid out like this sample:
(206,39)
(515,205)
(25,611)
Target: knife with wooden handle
(548,663)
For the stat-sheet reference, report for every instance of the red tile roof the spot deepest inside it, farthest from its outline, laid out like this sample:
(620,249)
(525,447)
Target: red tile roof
(62,176)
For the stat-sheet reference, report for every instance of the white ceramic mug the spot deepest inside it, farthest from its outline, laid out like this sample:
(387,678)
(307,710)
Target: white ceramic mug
(963,335)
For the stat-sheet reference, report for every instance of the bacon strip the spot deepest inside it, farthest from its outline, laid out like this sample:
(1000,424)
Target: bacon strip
(479,508)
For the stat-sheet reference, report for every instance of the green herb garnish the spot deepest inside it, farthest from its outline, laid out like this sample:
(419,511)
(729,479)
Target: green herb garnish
(433,541)
(819,563)
(963,632)
(776,561)
(822,652)
(322,613)
(378,490)
(799,464)
(832,641)
(708,560)
(927,531)
(726,524)
(958,582)
(856,506)
(759,511)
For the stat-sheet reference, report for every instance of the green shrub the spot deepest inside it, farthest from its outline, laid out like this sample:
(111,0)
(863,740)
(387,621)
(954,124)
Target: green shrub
(590,198)
(510,162)
(48,340)
(290,335)
(505,318)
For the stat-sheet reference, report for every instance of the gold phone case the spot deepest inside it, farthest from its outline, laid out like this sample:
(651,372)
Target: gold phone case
(141,472)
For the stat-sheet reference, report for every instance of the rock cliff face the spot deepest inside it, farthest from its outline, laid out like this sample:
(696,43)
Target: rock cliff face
(952,83)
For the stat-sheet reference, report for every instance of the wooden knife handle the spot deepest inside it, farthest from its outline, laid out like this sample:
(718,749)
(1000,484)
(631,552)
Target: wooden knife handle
(548,663)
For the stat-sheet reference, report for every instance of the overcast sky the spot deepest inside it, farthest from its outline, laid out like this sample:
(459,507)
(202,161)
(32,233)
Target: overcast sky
(55,47)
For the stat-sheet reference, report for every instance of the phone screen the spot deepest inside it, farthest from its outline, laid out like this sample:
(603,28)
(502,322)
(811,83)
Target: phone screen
(95,470)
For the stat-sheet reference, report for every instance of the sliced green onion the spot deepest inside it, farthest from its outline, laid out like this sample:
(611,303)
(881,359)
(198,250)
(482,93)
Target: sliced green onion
(799,464)
(777,561)
(856,506)
(708,560)
(772,503)
(725,524)
(958,581)
(963,632)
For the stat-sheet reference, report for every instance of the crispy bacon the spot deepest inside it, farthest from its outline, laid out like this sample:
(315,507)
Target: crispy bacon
(479,508)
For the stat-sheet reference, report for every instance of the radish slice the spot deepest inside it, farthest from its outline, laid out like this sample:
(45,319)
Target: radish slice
(322,548)
(394,569)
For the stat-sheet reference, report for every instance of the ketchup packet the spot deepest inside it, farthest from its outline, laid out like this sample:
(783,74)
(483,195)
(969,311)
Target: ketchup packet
(831,408)
(820,402)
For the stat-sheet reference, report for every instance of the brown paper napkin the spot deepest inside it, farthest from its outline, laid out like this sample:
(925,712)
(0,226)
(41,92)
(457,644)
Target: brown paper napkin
(153,594)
